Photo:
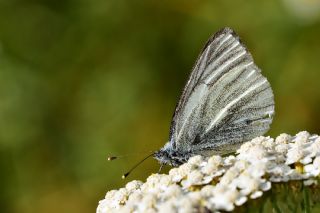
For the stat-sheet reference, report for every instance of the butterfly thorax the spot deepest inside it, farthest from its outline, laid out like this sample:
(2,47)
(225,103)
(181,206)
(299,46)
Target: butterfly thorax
(168,155)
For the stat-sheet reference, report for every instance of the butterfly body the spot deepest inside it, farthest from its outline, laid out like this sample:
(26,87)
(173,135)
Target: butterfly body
(225,102)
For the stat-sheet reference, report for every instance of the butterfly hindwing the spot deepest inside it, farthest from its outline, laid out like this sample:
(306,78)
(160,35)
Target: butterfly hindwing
(226,100)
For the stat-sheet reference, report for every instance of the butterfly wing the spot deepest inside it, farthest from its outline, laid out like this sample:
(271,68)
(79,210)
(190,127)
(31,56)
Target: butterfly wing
(226,100)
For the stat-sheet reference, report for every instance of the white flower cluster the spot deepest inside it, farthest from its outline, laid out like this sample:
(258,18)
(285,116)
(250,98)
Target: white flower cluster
(221,183)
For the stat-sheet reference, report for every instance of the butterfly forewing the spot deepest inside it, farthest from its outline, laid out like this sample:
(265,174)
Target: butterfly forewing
(226,100)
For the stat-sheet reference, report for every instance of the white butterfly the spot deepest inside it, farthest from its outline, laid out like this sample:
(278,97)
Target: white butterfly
(225,102)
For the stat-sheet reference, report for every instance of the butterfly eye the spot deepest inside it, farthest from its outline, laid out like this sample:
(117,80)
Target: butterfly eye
(248,122)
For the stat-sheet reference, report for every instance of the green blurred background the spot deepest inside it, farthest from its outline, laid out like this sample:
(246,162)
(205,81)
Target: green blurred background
(80,80)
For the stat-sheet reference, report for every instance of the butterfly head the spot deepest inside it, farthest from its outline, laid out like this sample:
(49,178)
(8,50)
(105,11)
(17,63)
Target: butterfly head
(169,156)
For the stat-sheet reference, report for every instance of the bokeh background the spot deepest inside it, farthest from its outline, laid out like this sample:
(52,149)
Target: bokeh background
(80,80)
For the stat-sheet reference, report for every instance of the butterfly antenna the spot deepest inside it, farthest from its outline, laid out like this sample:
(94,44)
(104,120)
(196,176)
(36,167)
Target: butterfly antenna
(113,157)
(110,158)
(135,166)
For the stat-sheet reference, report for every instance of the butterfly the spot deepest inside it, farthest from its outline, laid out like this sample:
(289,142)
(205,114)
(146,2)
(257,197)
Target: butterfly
(225,102)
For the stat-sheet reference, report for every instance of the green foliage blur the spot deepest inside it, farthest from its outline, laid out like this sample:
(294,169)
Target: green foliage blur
(81,80)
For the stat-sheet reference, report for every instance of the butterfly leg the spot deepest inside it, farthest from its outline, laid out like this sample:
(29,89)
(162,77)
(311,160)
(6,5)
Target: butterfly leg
(161,166)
